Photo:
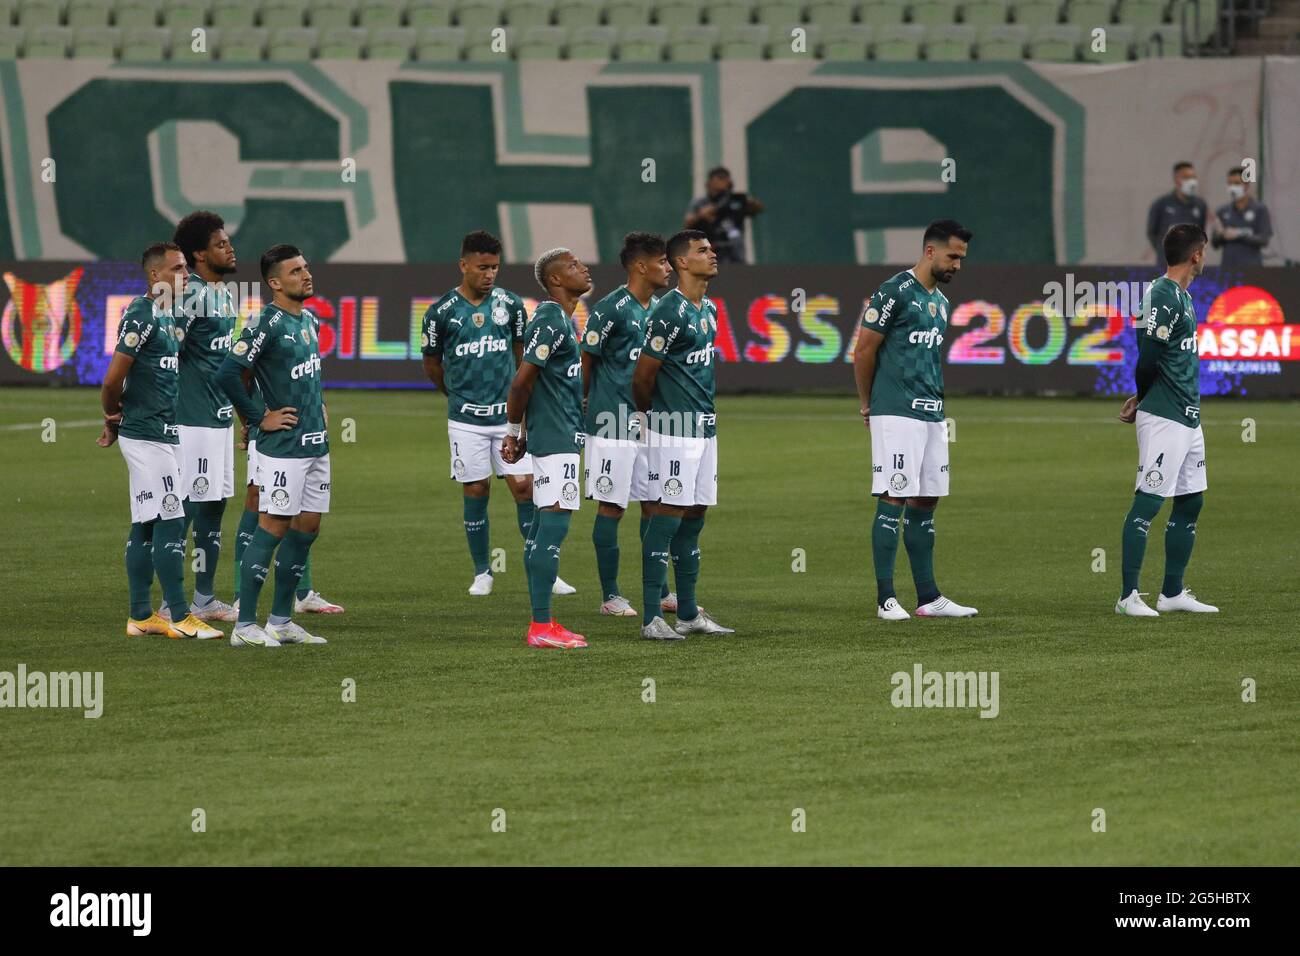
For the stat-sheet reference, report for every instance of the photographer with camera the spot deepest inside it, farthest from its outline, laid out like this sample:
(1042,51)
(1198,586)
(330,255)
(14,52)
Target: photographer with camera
(721,215)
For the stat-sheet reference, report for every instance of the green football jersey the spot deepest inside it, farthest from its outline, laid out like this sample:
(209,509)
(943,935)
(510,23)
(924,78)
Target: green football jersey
(615,335)
(208,321)
(148,334)
(909,363)
(476,343)
(554,416)
(1171,329)
(681,337)
(283,350)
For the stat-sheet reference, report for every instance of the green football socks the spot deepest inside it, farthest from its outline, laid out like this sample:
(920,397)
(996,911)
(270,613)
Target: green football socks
(256,565)
(656,547)
(476,531)
(884,547)
(290,559)
(544,560)
(604,535)
(918,539)
(169,564)
(1180,535)
(139,569)
(247,526)
(685,549)
(1137,525)
(205,518)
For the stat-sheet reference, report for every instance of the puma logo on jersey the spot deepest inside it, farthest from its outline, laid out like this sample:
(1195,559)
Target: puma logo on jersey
(929,338)
(308,368)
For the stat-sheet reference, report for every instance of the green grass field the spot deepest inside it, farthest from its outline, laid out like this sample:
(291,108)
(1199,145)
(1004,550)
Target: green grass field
(455,717)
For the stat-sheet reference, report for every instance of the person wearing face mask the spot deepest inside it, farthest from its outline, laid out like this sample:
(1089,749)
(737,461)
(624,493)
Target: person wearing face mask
(1244,226)
(1175,208)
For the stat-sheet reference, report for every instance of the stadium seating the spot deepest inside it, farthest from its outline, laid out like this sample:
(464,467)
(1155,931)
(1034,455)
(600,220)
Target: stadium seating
(1119,45)
(745,41)
(882,12)
(278,14)
(145,44)
(678,13)
(391,43)
(1002,41)
(236,14)
(730,13)
(529,13)
(1160,41)
(693,44)
(341,43)
(949,42)
(440,44)
(428,13)
(48,43)
(136,13)
(1055,42)
(829,12)
(242,45)
(897,42)
(627,13)
(777,13)
(184,13)
(578,13)
(1089,13)
(11,43)
(379,14)
(1142,13)
(180,40)
(592,43)
(478,14)
(934,12)
(848,42)
(642,44)
(39,13)
(541,43)
(96,43)
(89,13)
(292,44)
(1037,13)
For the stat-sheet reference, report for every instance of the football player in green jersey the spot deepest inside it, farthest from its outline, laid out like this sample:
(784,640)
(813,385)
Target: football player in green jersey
(472,339)
(139,401)
(280,350)
(673,381)
(898,365)
(617,457)
(1171,447)
(547,394)
(203,412)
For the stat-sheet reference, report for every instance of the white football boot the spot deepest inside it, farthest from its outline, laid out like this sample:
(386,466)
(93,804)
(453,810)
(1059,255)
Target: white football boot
(668,604)
(315,603)
(659,630)
(1185,601)
(482,585)
(618,606)
(942,607)
(215,610)
(562,587)
(1134,606)
(250,635)
(291,633)
(891,610)
(701,624)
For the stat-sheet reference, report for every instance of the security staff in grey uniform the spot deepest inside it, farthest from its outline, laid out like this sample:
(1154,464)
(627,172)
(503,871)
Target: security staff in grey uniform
(1244,226)
(1172,209)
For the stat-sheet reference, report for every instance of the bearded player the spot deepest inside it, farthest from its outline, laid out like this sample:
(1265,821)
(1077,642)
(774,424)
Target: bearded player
(280,350)
(1171,446)
(139,401)
(898,366)
(617,456)
(472,341)
(673,381)
(547,394)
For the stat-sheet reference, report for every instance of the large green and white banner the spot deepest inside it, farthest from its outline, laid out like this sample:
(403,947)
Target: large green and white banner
(378,162)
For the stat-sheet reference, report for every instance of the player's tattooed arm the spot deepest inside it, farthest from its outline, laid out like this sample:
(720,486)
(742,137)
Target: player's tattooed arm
(865,353)
(110,396)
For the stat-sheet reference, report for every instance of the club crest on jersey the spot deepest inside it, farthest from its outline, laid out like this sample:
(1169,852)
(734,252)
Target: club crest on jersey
(570,491)
(898,481)
(171,504)
(424,340)
(500,316)
(657,343)
(1162,333)
(458,466)
(131,340)
(593,337)
(240,347)
(1154,479)
(280,498)
(672,487)
(604,484)
(934,309)
(479,319)
(200,486)
(543,352)
(871,316)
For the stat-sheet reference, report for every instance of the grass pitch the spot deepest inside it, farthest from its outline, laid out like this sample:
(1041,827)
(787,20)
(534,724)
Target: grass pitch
(454,717)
